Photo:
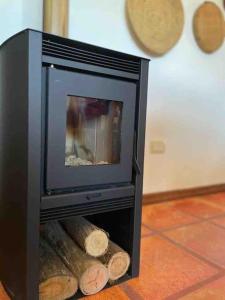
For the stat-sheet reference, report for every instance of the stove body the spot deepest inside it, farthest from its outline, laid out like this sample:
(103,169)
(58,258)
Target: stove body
(72,143)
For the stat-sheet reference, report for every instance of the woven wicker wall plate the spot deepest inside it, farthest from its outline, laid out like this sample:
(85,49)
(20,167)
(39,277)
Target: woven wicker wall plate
(209,27)
(157,24)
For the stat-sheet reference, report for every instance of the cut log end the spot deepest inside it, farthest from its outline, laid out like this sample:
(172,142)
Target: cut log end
(96,243)
(118,265)
(58,288)
(90,238)
(94,279)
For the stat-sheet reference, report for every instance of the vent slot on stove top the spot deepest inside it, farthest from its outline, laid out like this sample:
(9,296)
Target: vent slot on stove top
(82,53)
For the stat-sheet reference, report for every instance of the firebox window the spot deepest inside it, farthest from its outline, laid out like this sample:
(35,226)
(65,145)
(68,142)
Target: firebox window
(93,131)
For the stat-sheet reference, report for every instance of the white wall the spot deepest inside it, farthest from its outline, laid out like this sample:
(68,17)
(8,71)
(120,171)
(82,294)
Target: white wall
(186,101)
(17,15)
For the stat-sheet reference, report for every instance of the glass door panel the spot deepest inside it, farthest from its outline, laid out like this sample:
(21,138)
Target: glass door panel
(93,131)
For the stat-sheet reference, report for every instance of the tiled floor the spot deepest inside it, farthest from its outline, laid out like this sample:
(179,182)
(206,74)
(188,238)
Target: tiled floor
(182,253)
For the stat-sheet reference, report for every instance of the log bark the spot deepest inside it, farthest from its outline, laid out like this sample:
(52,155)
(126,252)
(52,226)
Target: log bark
(92,275)
(93,240)
(116,260)
(56,281)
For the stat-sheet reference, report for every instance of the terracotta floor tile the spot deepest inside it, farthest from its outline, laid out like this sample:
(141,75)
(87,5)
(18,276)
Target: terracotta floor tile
(164,216)
(219,221)
(167,269)
(212,291)
(218,198)
(114,293)
(198,208)
(206,239)
(145,231)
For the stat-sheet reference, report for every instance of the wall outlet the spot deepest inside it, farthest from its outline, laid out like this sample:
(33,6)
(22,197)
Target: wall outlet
(158,147)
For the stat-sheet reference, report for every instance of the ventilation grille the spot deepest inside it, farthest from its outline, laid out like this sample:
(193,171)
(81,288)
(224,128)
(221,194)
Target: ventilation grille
(60,213)
(83,54)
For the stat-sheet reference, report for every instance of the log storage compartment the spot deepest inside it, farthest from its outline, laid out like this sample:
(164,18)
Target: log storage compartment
(71,154)
(63,245)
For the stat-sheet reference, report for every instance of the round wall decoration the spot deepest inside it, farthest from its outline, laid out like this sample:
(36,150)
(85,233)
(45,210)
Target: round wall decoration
(157,24)
(209,27)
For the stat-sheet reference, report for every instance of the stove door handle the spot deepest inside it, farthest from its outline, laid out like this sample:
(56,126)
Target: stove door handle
(135,161)
(136,166)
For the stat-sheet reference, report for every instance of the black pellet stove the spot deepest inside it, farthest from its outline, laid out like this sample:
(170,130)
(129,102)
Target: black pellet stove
(72,130)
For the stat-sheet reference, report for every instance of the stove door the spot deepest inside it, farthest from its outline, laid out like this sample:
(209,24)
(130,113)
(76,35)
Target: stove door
(90,130)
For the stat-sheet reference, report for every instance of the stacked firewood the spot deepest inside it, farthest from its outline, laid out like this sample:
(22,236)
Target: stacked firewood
(77,254)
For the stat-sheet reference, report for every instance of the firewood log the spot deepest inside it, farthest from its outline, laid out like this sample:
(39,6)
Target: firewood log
(3,294)
(93,240)
(56,281)
(116,260)
(92,275)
